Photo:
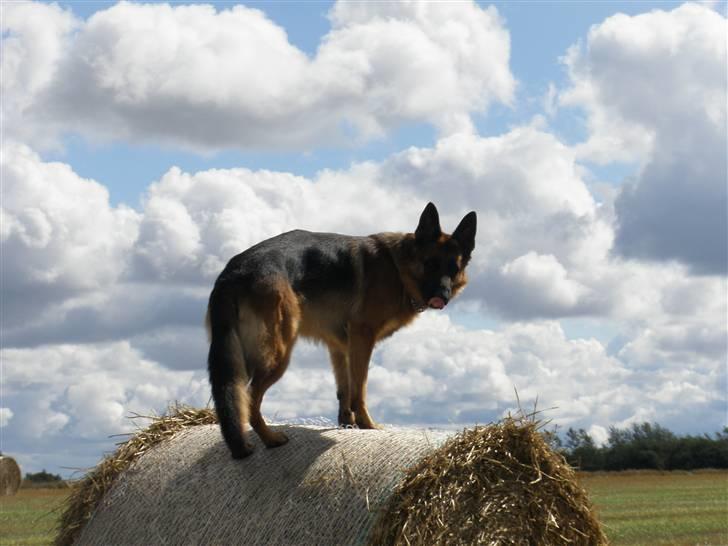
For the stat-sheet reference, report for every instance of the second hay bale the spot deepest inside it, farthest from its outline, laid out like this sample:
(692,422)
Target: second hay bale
(10,476)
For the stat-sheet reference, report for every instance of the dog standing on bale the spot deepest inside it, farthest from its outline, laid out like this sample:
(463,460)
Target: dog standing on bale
(347,292)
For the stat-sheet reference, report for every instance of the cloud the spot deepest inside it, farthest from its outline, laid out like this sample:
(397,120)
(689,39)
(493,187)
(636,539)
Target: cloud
(88,391)
(599,434)
(438,372)
(69,399)
(71,242)
(434,372)
(231,79)
(654,87)
(35,37)
(697,341)
(6,414)
(679,61)
(60,231)
(531,201)
(117,312)
(193,222)
(551,291)
(136,327)
(462,47)
(677,209)
(543,249)
(535,212)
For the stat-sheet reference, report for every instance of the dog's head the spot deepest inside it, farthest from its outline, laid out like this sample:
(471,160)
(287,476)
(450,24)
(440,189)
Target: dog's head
(435,261)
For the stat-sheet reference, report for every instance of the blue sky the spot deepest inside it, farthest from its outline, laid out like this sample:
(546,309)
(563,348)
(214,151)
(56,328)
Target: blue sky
(146,145)
(541,32)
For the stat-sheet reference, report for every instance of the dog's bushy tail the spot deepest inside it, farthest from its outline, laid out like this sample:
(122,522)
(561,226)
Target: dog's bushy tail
(228,374)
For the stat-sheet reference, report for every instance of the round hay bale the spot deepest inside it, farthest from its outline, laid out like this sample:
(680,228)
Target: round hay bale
(498,484)
(10,476)
(332,486)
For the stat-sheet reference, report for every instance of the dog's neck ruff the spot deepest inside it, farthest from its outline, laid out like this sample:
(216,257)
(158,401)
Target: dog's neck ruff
(415,304)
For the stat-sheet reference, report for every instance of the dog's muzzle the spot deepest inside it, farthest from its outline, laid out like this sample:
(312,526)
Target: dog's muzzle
(442,295)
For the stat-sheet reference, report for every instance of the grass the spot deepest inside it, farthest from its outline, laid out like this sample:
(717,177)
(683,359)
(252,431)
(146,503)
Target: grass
(644,508)
(676,508)
(30,516)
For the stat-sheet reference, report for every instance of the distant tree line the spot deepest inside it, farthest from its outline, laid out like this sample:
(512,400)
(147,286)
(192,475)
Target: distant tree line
(42,477)
(643,446)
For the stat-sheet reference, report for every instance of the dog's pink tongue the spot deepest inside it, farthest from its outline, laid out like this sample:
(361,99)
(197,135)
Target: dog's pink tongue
(436,303)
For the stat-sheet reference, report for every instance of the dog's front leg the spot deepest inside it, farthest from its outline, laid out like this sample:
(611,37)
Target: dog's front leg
(361,343)
(340,364)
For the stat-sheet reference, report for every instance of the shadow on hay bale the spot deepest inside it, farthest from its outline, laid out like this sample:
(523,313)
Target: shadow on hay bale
(10,476)
(498,484)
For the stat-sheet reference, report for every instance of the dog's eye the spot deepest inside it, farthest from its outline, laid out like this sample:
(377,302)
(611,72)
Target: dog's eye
(452,268)
(432,264)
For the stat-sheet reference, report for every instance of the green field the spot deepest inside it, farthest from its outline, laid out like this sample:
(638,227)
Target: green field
(642,508)
(649,508)
(30,516)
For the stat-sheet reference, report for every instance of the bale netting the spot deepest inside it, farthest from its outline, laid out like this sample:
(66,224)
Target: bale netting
(10,476)
(174,483)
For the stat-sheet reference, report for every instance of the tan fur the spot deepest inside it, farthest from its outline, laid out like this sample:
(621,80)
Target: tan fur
(208,330)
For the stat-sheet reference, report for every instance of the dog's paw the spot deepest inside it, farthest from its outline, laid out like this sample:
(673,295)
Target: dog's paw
(367,423)
(346,419)
(275,439)
(369,426)
(243,450)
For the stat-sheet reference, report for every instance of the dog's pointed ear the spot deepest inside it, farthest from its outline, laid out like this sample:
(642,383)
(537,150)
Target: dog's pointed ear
(428,230)
(464,234)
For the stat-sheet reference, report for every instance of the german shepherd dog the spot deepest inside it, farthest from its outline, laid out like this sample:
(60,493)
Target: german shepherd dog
(346,292)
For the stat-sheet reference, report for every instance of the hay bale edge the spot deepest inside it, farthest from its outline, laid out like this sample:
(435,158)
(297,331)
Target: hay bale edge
(89,491)
(519,475)
(10,476)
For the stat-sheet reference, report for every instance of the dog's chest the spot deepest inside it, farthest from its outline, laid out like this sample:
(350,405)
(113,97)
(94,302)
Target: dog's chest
(391,325)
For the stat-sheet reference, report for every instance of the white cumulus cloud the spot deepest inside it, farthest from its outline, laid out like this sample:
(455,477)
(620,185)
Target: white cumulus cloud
(60,231)
(6,414)
(89,391)
(35,37)
(200,78)
(654,86)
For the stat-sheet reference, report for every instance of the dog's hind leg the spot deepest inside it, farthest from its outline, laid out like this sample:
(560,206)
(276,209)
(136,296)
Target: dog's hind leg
(262,381)
(279,311)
